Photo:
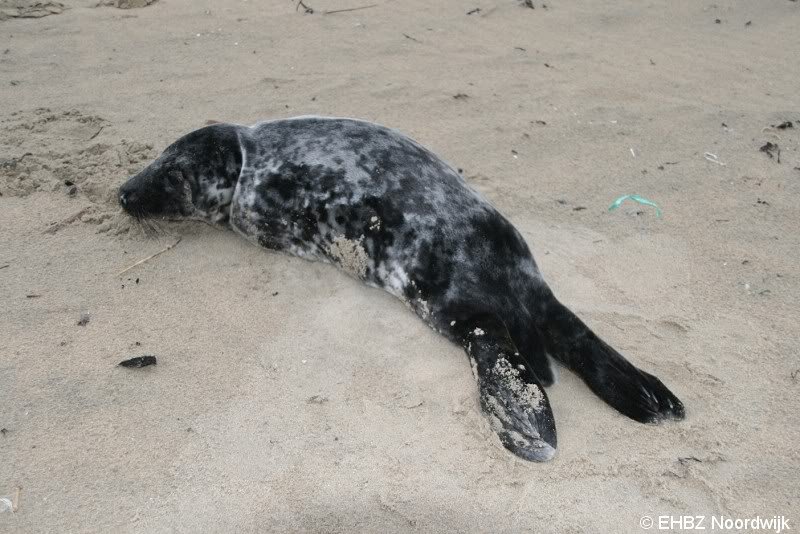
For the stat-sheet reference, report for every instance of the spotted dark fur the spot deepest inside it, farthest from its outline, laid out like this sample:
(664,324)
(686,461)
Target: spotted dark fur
(391,213)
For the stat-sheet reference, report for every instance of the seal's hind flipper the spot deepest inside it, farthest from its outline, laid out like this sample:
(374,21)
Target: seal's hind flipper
(512,396)
(629,390)
(530,343)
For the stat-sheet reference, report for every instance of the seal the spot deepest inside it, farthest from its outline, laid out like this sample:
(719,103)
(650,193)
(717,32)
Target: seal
(391,213)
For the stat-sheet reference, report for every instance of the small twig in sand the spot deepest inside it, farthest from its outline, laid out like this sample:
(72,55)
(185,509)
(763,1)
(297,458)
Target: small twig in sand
(55,227)
(308,10)
(12,162)
(768,130)
(409,37)
(96,133)
(148,258)
(4,266)
(348,9)
(25,155)
(713,158)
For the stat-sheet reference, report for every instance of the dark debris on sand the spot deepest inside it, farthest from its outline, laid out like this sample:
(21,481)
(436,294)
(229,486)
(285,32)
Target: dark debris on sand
(139,361)
(84,320)
(772,150)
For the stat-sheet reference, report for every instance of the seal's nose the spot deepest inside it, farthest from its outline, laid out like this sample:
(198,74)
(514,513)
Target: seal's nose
(126,197)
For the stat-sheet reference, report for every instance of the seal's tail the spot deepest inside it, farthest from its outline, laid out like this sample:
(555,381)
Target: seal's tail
(629,390)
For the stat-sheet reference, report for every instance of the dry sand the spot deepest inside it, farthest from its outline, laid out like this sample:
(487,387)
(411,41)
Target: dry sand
(289,398)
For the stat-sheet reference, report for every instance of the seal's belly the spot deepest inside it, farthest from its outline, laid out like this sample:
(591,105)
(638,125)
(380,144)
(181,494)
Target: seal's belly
(380,236)
(367,237)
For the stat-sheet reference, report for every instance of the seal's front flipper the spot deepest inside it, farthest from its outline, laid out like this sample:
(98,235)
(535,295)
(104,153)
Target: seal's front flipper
(511,395)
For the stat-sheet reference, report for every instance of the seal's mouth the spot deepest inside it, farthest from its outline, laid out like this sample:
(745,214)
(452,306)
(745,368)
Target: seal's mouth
(130,202)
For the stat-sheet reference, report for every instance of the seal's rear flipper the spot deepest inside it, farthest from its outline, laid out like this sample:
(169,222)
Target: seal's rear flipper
(531,346)
(511,396)
(629,390)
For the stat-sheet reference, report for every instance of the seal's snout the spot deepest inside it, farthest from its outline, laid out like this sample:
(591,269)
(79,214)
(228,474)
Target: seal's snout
(150,194)
(141,198)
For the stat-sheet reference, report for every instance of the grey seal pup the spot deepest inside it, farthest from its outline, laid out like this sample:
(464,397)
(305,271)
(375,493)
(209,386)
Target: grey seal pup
(389,212)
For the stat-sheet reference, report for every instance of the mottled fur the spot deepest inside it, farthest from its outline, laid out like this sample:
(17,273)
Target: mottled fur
(391,213)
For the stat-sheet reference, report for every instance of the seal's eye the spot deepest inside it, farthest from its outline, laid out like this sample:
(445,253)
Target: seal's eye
(174,181)
(175,177)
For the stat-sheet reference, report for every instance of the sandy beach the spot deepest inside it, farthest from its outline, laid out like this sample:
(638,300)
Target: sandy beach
(289,397)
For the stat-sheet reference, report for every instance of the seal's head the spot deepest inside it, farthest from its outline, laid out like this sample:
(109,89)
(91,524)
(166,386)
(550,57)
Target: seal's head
(194,177)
